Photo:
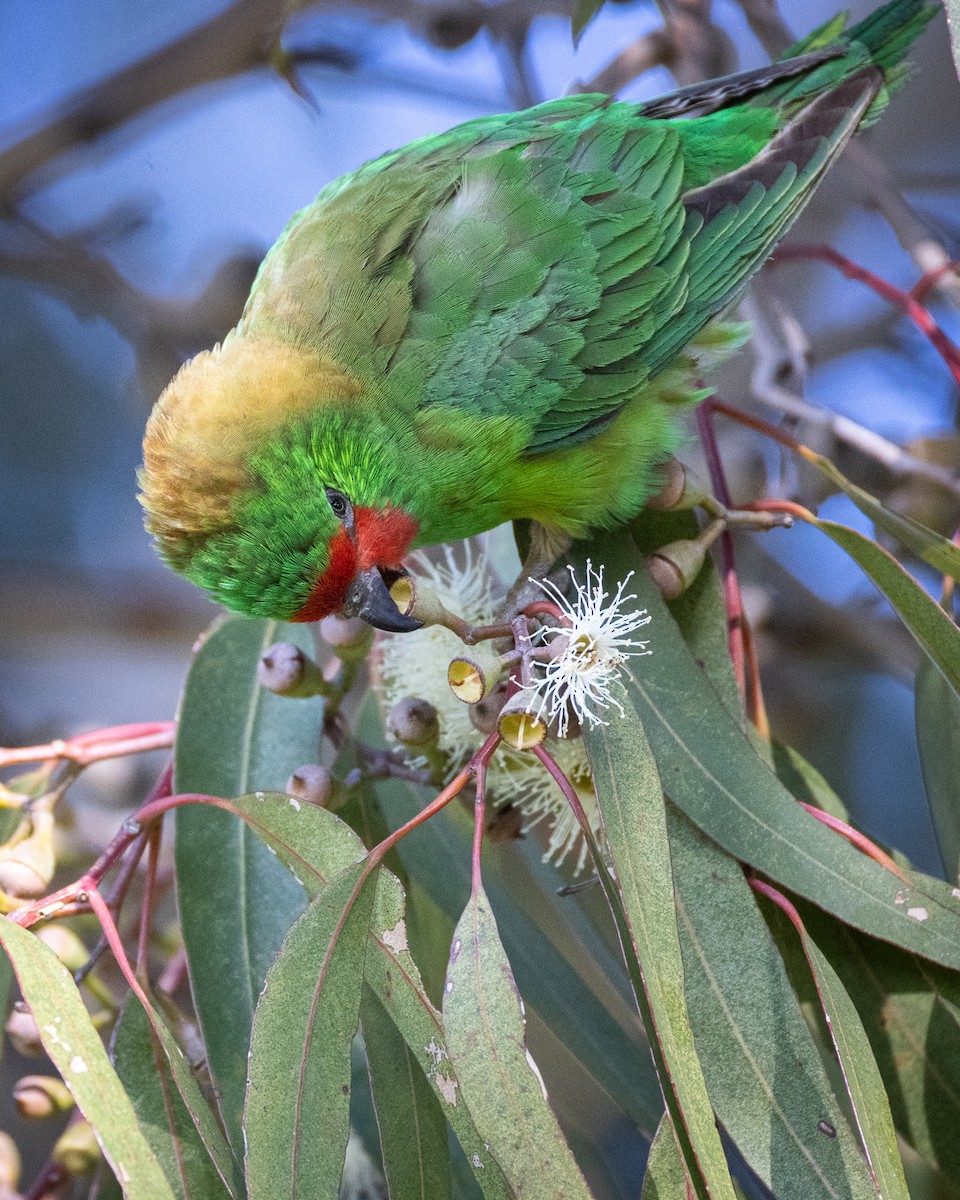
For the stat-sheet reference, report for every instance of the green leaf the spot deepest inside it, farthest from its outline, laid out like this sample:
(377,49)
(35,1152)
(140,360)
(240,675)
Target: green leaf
(714,775)
(762,1066)
(926,544)
(564,969)
(861,1075)
(911,1013)
(413,1129)
(583,13)
(631,803)
(297,1115)
(665,1178)
(316,846)
(395,980)
(933,630)
(500,1083)
(164,1118)
(937,714)
(75,1048)
(236,901)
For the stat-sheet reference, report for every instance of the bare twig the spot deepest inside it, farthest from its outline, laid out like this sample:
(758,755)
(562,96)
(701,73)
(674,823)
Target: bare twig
(778,360)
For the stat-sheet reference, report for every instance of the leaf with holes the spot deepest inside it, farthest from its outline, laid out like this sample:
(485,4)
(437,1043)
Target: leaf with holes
(500,1083)
(297,1114)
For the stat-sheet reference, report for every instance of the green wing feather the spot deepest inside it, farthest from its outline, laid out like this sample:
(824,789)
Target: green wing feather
(543,266)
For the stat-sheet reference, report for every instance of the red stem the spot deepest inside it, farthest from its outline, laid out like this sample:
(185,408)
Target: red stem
(731,586)
(857,839)
(906,302)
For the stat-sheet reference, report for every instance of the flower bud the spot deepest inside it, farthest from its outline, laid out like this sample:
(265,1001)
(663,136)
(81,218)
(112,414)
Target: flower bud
(518,726)
(77,1150)
(27,866)
(474,675)
(40,1096)
(66,946)
(9,1165)
(316,785)
(414,722)
(675,566)
(22,1030)
(288,671)
(349,636)
(679,489)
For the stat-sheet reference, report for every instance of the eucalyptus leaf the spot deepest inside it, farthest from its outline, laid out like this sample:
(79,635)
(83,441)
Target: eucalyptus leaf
(711,771)
(75,1048)
(236,901)
(861,1075)
(665,1178)
(928,545)
(911,1013)
(500,1083)
(762,1066)
(583,13)
(297,1114)
(164,1117)
(933,630)
(413,1128)
(634,821)
(937,714)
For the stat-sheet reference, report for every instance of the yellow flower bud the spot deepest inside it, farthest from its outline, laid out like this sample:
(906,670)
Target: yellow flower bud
(66,946)
(77,1150)
(21,1028)
(40,1096)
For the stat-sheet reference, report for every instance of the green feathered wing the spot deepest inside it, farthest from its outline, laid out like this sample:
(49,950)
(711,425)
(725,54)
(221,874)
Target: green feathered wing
(542,267)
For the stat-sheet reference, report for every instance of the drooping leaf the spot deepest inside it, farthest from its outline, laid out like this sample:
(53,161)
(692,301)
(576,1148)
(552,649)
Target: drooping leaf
(565,971)
(933,630)
(413,1129)
(631,803)
(583,13)
(911,1012)
(75,1048)
(868,1098)
(665,1178)
(297,1114)
(236,901)
(762,1066)
(711,771)
(164,1118)
(500,1083)
(937,712)
(926,544)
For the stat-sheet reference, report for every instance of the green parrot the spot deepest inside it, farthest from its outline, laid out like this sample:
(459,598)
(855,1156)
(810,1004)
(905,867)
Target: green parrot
(502,321)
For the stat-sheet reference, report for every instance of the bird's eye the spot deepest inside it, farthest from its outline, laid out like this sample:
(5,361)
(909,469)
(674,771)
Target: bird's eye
(339,503)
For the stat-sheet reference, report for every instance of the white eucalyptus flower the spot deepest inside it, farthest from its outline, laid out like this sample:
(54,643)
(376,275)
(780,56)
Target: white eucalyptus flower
(415,664)
(589,650)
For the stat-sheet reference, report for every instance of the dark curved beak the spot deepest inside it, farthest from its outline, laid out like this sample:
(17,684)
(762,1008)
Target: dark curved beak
(368,597)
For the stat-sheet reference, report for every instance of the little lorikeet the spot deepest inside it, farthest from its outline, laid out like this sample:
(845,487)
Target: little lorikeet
(499,322)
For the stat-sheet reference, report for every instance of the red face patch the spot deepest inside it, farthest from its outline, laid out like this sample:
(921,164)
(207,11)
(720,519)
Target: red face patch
(331,588)
(382,537)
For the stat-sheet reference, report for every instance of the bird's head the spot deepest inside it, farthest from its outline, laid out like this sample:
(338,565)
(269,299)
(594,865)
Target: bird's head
(262,483)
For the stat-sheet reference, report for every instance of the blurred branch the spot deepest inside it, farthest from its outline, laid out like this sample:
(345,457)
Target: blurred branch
(242,37)
(689,44)
(781,350)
